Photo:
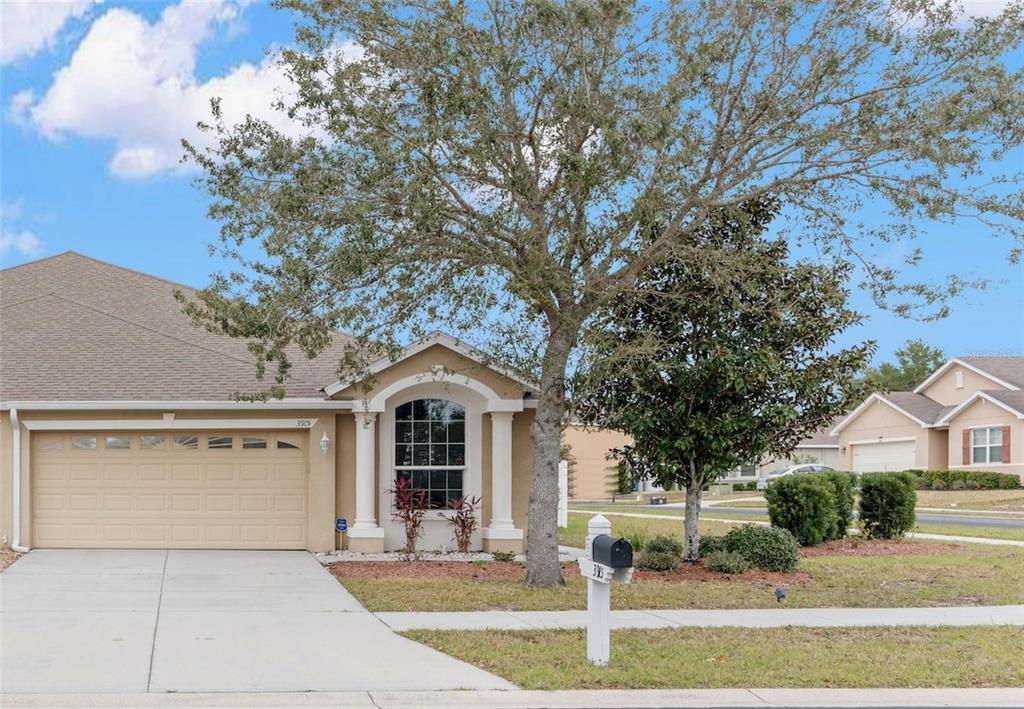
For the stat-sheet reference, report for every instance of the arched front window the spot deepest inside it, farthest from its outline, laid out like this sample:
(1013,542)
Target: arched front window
(430,448)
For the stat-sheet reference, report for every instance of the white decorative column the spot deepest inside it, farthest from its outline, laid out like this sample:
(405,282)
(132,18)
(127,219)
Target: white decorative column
(365,535)
(501,534)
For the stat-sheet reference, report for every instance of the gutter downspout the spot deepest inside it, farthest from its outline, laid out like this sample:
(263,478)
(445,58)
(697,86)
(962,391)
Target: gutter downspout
(16,484)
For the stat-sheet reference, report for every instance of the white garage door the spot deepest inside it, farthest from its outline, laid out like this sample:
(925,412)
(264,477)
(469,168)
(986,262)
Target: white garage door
(213,490)
(882,457)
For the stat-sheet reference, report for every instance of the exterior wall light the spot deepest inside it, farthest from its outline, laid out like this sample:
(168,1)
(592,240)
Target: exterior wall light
(325,443)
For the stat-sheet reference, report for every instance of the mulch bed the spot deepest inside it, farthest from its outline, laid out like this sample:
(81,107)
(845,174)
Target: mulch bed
(877,547)
(7,557)
(512,571)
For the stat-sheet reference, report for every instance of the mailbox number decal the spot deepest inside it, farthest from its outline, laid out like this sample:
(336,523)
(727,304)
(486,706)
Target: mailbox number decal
(598,571)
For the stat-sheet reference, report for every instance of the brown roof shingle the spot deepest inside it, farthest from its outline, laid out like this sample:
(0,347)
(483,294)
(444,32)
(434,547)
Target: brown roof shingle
(1009,369)
(918,405)
(76,329)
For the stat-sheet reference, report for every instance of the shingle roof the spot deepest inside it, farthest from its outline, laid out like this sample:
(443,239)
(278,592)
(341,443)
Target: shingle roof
(73,328)
(1009,369)
(918,405)
(823,436)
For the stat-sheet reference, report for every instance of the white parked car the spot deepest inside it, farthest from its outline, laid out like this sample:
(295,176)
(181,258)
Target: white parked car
(773,475)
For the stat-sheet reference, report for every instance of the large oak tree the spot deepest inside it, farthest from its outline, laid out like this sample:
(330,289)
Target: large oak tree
(487,165)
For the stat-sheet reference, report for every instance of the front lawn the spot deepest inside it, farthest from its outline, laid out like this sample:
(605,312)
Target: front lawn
(963,530)
(959,500)
(575,534)
(976,656)
(874,574)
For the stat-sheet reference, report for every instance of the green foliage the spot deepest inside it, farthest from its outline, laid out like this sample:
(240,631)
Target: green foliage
(504,555)
(805,505)
(637,536)
(766,548)
(915,361)
(727,562)
(710,543)
(887,502)
(744,487)
(844,487)
(656,561)
(971,479)
(664,544)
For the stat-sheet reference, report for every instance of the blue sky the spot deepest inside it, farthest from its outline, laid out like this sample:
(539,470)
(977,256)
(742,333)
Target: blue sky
(95,96)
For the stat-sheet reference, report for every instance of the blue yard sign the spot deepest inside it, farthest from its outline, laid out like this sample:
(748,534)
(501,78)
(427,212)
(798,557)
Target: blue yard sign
(341,524)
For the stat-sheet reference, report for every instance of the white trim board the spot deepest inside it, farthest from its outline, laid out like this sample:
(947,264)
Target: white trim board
(435,338)
(979,395)
(865,404)
(115,405)
(869,441)
(938,372)
(166,424)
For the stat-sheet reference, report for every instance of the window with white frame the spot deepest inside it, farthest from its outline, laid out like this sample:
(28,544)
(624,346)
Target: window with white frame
(987,445)
(430,449)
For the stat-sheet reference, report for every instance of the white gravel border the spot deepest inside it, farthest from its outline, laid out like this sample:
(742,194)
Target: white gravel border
(332,556)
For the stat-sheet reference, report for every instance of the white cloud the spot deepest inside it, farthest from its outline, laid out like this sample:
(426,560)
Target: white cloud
(23,242)
(984,8)
(28,26)
(133,82)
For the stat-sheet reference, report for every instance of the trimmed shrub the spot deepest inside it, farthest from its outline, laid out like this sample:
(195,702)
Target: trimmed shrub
(958,485)
(656,561)
(805,505)
(887,502)
(709,545)
(767,548)
(727,562)
(984,479)
(664,544)
(938,484)
(844,485)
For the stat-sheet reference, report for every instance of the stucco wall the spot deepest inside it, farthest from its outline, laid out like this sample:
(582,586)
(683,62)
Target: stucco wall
(590,446)
(6,436)
(880,422)
(522,467)
(944,390)
(985,413)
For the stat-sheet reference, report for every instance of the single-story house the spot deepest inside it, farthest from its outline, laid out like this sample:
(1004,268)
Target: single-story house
(119,428)
(969,413)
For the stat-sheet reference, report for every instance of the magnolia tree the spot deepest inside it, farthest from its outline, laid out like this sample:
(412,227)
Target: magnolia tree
(714,366)
(488,167)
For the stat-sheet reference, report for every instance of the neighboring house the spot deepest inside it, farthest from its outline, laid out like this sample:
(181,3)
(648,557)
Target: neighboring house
(968,414)
(119,428)
(593,474)
(820,447)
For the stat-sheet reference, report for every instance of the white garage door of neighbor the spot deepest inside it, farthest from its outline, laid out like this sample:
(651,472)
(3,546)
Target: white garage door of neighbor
(153,489)
(882,457)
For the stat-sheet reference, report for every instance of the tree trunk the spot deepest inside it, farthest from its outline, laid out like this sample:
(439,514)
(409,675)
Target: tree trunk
(692,522)
(542,567)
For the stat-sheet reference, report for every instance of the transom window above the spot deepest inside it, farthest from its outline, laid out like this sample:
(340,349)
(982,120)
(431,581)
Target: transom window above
(119,442)
(219,442)
(987,445)
(187,441)
(430,448)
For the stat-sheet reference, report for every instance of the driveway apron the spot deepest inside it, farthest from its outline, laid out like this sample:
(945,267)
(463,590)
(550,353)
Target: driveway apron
(202,621)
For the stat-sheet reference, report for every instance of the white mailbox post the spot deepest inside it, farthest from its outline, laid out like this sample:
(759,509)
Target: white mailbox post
(599,578)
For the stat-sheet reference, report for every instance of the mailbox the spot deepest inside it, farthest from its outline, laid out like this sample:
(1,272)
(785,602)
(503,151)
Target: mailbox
(616,553)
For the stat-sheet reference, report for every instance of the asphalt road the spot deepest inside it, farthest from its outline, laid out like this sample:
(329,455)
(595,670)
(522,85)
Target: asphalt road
(922,517)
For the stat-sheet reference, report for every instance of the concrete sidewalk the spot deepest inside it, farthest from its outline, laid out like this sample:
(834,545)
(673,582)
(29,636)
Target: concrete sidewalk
(754,618)
(521,699)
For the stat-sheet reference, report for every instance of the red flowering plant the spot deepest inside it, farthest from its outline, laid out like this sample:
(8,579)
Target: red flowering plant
(410,508)
(464,520)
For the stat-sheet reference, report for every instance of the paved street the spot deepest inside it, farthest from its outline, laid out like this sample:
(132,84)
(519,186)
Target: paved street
(124,621)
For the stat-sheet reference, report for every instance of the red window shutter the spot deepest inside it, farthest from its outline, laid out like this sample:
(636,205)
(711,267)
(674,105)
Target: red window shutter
(1006,444)
(967,446)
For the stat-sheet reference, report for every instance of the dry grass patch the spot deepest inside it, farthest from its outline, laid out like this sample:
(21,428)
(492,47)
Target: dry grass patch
(976,656)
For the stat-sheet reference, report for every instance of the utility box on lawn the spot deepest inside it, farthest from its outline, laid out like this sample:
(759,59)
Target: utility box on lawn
(616,553)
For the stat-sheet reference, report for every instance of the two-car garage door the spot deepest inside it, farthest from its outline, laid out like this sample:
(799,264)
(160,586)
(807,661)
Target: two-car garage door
(883,456)
(157,489)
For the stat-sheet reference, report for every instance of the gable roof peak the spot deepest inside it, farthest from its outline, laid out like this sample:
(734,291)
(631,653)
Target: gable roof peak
(1007,372)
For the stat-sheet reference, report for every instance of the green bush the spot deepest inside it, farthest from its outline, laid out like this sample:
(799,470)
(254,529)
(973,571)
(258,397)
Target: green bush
(503,555)
(887,502)
(727,562)
(744,487)
(636,536)
(938,484)
(710,544)
(844,485)
(767,548)
(805,505)
(664,544)
(656,561)
(944,479)
(958,485)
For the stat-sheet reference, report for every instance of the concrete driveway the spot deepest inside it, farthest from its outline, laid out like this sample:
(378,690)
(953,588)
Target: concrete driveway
(201,621)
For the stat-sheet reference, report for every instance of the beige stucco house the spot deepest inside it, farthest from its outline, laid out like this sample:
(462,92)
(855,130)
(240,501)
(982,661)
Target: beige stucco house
(968,414)
(119,428)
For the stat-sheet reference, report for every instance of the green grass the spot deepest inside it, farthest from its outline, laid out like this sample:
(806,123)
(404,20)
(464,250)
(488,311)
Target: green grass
(1005,500)
(576,532)
(971,531)
(975,656)
(969,575)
